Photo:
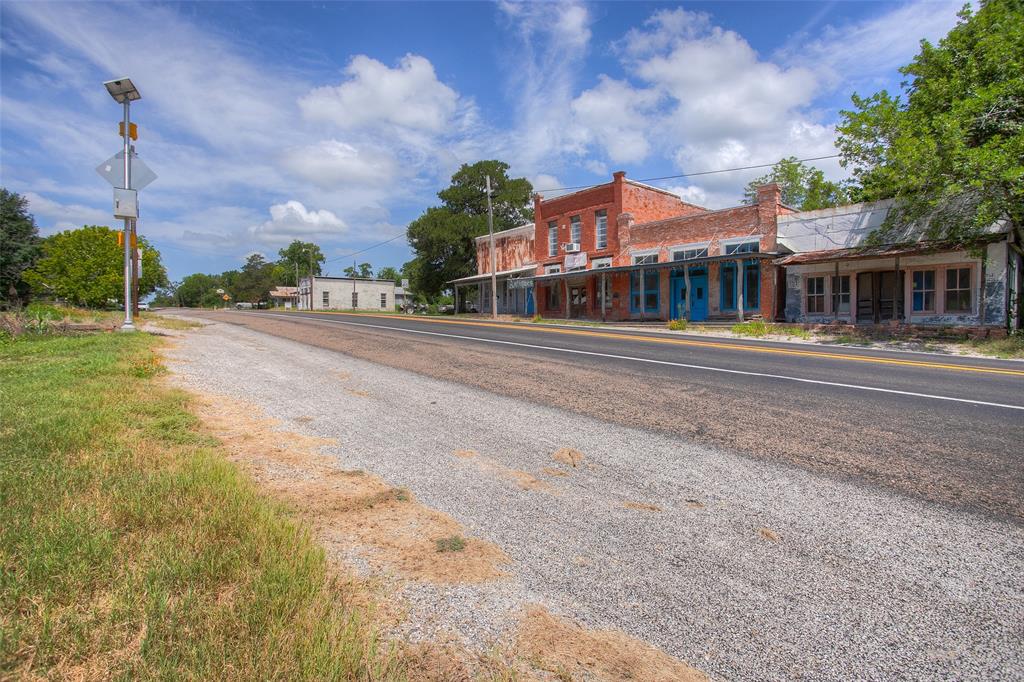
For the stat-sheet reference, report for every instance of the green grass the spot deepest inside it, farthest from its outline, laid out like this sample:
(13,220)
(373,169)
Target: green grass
(450,544)
(1010,348)
(130,548)
(755,328)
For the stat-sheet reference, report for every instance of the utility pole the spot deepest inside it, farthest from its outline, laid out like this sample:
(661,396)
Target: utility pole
(129,248)
(494,260)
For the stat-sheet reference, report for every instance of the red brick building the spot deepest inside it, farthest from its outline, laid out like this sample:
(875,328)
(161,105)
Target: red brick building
(625,250)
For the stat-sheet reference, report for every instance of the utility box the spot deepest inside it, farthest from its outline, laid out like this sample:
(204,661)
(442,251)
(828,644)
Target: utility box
(126,203)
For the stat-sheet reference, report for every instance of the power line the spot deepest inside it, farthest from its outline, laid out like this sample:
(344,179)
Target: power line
(690,175)
(560,189)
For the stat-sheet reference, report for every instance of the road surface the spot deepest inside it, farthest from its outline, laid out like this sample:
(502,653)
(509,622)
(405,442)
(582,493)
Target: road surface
(941,428)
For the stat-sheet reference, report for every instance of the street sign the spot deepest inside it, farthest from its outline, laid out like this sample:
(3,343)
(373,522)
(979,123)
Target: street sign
(220,291)
(112,171)
(405,284)
(226,297)
(133,130)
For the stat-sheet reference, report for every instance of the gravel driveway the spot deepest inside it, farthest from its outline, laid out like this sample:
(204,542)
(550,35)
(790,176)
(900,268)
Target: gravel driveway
(745,569)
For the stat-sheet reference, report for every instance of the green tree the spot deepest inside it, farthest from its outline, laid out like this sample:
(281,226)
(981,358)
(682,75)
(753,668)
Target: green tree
(951,149)
(442,238)
(19,247)
(254,280)
(803,187)
(389,273)
(196,290)
(85,267)
(295,257)
(365,271)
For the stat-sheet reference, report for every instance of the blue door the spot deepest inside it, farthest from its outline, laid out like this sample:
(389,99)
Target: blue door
(529,301)
(699,302)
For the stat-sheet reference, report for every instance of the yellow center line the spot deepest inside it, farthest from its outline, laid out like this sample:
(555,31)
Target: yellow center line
(692,342)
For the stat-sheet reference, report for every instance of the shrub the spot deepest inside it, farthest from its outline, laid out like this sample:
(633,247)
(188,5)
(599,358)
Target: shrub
(450,544)
(677,325)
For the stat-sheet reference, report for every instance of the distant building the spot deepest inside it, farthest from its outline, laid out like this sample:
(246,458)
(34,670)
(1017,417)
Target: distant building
(346,293)
(285,297)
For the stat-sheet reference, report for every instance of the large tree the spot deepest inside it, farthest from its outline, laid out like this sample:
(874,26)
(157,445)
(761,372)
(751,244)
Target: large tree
(388,273)
(254,280)
(951,148)
(442,238)
(198,289)
(296,258)
(19,247)
(364,271)
(803,187)
(85,267)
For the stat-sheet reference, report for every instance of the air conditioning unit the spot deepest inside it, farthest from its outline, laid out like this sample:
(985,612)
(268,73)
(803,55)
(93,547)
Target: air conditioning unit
(572,247)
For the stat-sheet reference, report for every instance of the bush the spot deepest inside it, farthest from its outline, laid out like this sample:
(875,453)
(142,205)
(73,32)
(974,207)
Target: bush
(677,325)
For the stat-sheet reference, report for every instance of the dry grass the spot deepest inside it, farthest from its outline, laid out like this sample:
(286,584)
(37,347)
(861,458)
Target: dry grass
(568,456)
(642,506)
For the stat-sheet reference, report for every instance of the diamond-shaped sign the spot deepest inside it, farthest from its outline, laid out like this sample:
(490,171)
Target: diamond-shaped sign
(113,171)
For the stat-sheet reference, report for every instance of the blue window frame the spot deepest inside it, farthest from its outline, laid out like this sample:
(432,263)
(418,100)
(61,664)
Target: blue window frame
(727,287)
(924,291)
(648,294)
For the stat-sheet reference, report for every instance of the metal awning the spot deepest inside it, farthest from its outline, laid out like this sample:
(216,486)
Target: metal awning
(880,251)
(501,274)
(672,264)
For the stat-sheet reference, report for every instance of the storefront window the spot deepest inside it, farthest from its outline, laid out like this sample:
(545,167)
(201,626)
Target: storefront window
(644,293)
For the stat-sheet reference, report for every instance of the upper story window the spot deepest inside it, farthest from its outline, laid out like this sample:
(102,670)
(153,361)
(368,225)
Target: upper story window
(689,251)
(645,258)
(601,229)
(552,269)
(576,229)
(748,246)
(599,263)
(552,238)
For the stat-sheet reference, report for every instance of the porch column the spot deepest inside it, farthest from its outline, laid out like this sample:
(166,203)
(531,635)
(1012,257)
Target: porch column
(604,299)
(686,284)
(643,294)
(835,295)
(480,298)
(895,290)
(456,290)
(565,286)
(739,290)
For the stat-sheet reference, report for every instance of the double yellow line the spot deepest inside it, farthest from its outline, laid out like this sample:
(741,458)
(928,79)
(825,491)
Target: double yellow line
(691,342)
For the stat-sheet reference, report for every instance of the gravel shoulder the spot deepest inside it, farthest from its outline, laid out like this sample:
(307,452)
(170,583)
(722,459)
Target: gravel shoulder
(746,569)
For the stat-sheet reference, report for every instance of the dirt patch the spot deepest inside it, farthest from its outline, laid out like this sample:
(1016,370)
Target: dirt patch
(572,652)
(347,508)
(465,454)
(642,506)
(356,392)
(551,471)
(769,535)
(694,504)
(568,456)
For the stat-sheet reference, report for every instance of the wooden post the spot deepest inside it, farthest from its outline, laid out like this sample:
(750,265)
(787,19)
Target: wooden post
(604,298)
(480,298)
(740,276)
(643,294)
(895,291)
(455,289)
(686,284)
(566,288)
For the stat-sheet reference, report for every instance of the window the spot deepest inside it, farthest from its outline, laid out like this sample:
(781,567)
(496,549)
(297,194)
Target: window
(690,253)
(576,229)
(552,269)
(727,286)
(815,295)
(601,229)
(599,263)
(554,301)
(924,291)
(327,299)
(355,299)
(552,238)
(644,291)
(645,258)
(958,290)
(841,293)
(750,246)
(384,300)
(751,285)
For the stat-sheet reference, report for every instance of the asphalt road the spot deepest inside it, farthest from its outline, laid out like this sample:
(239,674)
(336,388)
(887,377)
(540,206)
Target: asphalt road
(944,428)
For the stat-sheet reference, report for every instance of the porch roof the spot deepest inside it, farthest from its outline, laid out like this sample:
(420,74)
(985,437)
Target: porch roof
(659,266)
(880,251)
(501,274)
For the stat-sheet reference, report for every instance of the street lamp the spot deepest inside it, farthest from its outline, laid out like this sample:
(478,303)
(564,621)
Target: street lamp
(124,92)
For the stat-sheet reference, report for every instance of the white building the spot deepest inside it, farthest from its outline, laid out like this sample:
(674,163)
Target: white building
(346,293)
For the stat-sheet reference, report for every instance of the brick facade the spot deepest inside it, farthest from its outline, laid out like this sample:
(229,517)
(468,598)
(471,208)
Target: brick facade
(512,248)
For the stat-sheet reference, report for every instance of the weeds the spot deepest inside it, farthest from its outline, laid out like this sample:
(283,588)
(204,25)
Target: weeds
(755,328)
(453,543)
(678,325)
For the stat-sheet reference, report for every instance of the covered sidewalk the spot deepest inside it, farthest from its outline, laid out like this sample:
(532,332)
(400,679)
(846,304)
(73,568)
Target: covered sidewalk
(514,287)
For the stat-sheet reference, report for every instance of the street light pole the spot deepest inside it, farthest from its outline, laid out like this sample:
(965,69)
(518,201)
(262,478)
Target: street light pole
(494,260)
(129,263)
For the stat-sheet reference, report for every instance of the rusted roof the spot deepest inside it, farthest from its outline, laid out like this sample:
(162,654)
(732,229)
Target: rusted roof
(880,251)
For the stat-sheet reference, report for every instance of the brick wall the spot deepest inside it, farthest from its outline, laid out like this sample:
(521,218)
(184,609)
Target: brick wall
(511,252)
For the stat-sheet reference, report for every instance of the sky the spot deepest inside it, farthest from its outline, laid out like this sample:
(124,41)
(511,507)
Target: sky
(339,122)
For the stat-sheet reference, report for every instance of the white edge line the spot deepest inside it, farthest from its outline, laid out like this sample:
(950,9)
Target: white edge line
(659,362)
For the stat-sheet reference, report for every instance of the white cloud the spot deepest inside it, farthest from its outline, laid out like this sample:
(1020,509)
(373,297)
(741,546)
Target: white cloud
(332,162)
(54,216)
(409,95)
(616,115)
(291,220)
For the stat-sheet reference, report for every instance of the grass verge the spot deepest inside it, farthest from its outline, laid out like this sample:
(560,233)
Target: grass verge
(131,549)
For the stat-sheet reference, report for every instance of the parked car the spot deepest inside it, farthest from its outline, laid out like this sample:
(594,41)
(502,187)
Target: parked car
(143,306)
(243,305)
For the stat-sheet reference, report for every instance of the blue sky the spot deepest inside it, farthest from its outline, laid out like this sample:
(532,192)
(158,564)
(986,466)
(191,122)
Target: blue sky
(338,122)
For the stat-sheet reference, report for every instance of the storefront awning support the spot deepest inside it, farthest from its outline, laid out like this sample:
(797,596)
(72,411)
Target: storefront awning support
(740,277)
